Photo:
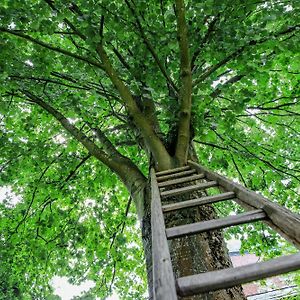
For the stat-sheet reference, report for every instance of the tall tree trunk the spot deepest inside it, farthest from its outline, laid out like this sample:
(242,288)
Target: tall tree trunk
(190,255)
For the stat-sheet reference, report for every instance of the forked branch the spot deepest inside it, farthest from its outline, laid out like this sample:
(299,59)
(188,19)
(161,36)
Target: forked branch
(154,144)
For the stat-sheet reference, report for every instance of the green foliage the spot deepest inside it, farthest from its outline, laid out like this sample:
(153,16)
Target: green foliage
(73,218)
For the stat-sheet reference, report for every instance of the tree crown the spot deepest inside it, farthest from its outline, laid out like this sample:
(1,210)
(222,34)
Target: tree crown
(92,92)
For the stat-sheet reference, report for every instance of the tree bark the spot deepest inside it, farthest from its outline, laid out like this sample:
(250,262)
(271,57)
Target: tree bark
(190,255)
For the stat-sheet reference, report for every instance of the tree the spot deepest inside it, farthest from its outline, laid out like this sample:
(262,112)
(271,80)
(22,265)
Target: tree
(95,93)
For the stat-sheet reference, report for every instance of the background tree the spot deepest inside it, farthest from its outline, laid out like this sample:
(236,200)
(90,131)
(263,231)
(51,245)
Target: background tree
(93,93)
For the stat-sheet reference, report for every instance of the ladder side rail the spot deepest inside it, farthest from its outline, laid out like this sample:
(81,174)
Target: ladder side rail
(163,276)
(285,222)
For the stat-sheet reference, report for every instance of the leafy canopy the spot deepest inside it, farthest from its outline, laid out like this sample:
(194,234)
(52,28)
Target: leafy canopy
(63,120)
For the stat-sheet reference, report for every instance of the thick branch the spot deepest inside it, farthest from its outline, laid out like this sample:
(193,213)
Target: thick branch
(148,108)
(185,94)
(121,165)
(107,145)
(147,103)
(155,145)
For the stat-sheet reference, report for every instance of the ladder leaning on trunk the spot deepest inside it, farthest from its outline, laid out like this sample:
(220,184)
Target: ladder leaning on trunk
(165,286)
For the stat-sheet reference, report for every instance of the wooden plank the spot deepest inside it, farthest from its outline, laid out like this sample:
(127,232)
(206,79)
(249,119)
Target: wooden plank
(223,279)
(189,229)
(180,180)
(198,201)
(171,171)
(176,175)
(163,276)
(189,189)
(280,219)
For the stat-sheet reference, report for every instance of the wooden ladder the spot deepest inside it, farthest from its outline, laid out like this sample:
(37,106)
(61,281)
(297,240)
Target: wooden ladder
(165,286)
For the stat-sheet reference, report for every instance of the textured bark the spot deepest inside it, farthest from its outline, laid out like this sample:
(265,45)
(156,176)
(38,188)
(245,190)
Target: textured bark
(185,94)
(146,237)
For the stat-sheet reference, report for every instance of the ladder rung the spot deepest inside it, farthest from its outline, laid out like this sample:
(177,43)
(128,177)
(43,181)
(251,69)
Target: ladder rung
(176,175)
(189,189)
(180,180)
(247,217)
(223,279)
(199,201)
(175,170)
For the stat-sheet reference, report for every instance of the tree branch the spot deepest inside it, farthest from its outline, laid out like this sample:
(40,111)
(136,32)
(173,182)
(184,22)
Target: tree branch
(120,57)
(121,165)
(238,170)
(73,172)
(247,152)
(210,30)
(67,21)
(267,113)
(232,80)
(277,107)
(185,93)
(221,63)
(33,195)
(154,144)
(211,145)
(265,161)
(49,80)
(151,48)
(239,51)
(107,145)
(52,48)
(285,126)
(277,99)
